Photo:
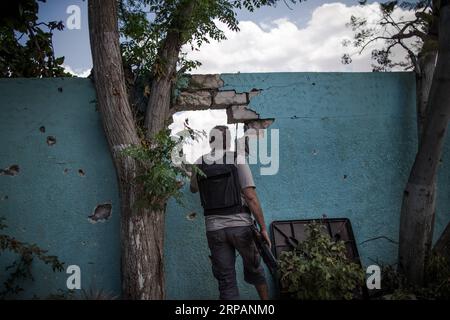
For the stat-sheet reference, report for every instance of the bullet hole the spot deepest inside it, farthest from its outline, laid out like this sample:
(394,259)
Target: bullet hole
(42,129)
(66,171)
(294,117)
(4,198)
(102,212)
(81,172)
(345,176)
(191,216)
(12,170)
(313,83)
(51,140)
(60,89)
(315,152)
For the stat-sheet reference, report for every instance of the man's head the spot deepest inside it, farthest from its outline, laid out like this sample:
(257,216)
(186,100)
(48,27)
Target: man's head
(220,138)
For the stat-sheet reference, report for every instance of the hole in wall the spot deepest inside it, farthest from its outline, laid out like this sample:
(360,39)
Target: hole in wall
(51,140)
(191,216)
(102,212)
(12,170)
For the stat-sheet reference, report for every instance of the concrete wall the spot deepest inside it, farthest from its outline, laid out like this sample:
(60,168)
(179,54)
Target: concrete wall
(347,142)
(49,201)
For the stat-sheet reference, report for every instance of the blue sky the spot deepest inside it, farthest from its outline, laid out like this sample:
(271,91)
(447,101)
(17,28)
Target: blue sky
(302,22)
(306,37)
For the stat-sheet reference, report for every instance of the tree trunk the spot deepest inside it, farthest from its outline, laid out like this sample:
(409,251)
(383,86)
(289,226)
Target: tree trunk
(164,71)
(427,63)
(161,88)
(416,221)
(141,230)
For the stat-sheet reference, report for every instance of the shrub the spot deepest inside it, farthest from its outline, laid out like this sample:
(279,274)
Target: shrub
(318,268)
(436,283)
(160,177)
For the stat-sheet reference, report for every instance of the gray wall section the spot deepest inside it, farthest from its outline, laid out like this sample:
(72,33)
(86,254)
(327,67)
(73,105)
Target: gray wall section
(47,206)
(360,126)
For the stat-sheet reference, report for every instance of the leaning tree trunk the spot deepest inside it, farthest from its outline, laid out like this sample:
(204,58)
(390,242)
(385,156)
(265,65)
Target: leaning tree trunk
(161,87)
(424,78)
(416,219)
(164,71)
(141,230)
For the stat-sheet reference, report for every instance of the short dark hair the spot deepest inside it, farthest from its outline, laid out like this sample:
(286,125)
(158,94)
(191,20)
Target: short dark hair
(226,135)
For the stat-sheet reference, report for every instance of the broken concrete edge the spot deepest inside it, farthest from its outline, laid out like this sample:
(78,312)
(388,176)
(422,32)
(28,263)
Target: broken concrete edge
(241,113)
(189,88)
(206,99)
(256,128)
(203,92)
(260,124)
(205,81)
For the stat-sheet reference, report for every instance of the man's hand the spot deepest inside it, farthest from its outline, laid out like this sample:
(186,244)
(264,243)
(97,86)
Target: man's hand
(266,237)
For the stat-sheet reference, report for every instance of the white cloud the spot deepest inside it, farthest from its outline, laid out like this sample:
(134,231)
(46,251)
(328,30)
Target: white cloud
(283,46)
(77,72)
(202,120)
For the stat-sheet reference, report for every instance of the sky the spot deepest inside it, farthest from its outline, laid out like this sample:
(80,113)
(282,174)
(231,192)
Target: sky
(302,37)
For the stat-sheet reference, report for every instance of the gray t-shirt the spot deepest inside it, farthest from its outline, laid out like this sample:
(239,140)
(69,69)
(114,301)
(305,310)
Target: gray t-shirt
(216,222)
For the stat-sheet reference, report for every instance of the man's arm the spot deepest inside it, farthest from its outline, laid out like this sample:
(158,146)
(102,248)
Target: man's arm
(253,203)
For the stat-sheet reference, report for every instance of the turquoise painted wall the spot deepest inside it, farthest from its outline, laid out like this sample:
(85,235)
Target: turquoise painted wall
(48,202)
(360,126)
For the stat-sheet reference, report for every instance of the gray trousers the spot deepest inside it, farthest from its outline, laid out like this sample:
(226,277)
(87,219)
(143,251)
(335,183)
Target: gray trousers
(223,244)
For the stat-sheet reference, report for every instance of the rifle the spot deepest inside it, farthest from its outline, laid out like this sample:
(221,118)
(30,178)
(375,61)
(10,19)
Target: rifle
(264,250)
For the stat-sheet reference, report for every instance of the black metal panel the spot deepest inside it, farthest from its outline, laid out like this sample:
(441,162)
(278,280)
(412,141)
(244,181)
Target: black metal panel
(287,233)
(337,228)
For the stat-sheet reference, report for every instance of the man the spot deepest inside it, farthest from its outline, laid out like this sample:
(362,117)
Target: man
(228,197)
